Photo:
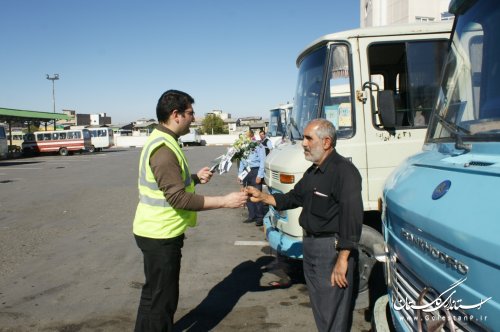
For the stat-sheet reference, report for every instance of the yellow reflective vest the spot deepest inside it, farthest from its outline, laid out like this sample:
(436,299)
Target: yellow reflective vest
(154,217)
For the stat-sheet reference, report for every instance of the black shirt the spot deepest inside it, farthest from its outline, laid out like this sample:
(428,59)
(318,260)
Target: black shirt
(330,196)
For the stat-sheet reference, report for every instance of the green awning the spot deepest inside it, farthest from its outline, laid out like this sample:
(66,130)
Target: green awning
(9,114)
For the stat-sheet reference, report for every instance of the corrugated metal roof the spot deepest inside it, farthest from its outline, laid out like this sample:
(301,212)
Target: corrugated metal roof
(13,114)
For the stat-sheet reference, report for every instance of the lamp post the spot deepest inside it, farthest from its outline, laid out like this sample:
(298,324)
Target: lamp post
(53,78)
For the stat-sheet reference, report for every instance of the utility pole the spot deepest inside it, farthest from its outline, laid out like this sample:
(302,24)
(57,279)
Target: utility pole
(53,78)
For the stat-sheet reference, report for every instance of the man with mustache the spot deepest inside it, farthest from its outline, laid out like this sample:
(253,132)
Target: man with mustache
(332,216)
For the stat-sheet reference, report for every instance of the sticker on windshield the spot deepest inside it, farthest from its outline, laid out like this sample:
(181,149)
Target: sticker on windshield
(332,115)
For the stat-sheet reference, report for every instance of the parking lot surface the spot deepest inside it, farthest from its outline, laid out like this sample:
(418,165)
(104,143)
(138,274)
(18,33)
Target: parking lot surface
(68,260)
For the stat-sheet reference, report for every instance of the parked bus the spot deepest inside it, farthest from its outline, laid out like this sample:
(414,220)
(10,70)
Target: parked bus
(4,146)
(16,141)
(61,141)
(101,138)
(348,78)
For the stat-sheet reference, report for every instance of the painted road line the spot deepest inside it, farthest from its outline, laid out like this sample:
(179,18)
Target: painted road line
(251,243)
(22,168)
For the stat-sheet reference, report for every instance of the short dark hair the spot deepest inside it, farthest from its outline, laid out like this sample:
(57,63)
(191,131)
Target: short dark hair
(262,131)
(172,100)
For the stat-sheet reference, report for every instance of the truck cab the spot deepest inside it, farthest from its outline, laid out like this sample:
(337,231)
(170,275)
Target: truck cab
(278,123)
(191,138)
(440,220)
(377,86)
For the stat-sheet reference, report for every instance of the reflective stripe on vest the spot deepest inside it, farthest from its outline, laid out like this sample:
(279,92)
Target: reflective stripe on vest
(143,180)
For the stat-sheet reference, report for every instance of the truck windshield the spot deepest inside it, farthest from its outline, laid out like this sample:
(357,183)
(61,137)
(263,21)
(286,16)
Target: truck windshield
(307,94)
(275,123)
(335,95)
(468,106)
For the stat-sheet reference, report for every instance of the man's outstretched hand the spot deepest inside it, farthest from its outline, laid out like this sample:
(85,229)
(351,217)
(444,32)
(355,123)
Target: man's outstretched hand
(254,194)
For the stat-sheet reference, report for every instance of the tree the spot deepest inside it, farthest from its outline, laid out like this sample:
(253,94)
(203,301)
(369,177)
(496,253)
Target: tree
(212,124)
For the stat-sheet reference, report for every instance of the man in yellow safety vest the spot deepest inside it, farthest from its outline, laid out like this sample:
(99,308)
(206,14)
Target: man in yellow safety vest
(167,207)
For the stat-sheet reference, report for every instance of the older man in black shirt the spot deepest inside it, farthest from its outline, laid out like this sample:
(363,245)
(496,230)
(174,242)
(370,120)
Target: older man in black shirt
(332,216)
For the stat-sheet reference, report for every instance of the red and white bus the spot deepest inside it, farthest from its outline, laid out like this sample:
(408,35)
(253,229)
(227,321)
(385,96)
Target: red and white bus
(61,141)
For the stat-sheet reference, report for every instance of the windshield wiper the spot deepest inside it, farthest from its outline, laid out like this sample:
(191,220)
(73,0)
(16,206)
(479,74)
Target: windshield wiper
(455,130)
(294,126)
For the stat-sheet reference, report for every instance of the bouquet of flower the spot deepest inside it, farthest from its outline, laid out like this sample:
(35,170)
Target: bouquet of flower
(239,150)
(243,147)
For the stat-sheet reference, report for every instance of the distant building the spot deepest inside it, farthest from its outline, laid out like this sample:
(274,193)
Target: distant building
(220,114)
(143,127)
(70,122)
(231,125)
(99,119)
(386,12)
(80,119)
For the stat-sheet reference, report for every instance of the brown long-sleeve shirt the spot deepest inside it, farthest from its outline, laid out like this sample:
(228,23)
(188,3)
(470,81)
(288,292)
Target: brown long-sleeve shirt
(168,175)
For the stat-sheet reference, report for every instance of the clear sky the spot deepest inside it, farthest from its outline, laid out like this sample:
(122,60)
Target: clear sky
(119,56)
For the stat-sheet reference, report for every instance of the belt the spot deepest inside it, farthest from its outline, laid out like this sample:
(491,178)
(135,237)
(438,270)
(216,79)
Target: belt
(255,167)
(318,235)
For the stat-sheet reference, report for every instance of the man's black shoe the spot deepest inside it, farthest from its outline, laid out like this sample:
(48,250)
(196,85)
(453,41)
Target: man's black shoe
(248,221)
(258,222)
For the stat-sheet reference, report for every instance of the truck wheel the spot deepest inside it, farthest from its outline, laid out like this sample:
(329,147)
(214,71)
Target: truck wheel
(369,237)
(92,149)
(63,151)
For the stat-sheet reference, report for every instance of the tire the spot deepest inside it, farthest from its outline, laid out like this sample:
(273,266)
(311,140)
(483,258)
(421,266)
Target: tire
(371,276)
(63,151)
(369,237)
(92,149)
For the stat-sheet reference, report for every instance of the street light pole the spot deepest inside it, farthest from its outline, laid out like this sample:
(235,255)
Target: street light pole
(53,78)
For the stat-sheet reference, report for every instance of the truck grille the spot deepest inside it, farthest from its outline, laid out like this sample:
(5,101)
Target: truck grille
(407,288)
(275,175)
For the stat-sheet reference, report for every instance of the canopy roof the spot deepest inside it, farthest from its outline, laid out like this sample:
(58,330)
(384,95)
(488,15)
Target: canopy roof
(9,114)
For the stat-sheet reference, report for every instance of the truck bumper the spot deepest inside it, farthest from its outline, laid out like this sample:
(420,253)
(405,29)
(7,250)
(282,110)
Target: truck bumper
(284,244)
(382,319)
(381,315)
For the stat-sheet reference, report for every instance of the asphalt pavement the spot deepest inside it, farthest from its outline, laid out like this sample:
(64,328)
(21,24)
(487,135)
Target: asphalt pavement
(68,260)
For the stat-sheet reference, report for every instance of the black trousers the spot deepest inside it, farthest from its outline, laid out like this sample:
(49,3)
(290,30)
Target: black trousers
(255,210)
(332,306)
(160,293)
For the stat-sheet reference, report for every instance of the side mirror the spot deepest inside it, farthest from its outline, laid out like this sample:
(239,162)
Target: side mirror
(386,108)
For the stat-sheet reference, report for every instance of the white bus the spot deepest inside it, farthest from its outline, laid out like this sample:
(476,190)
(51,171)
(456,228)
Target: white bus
(4,146)
(352,78)
(61,141)
(15,142)
(101,138)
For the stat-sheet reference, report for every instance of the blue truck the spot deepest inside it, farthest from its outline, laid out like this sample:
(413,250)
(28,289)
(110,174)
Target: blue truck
(441,225)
